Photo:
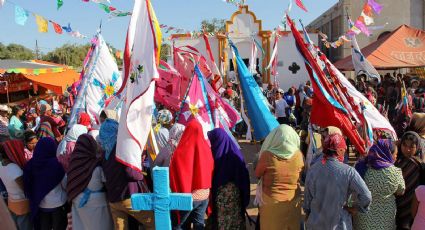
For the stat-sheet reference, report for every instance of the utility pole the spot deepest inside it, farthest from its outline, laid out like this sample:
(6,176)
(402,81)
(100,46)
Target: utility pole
(37,51)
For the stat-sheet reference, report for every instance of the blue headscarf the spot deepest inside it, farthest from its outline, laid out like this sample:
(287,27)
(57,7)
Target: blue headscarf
(108,136)
(42,173)
(379,157)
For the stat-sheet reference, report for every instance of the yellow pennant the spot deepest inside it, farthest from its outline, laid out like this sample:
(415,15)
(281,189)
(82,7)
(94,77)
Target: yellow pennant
(41,23)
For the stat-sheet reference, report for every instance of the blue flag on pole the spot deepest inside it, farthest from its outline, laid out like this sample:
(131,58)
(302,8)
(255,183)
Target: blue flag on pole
(261,119)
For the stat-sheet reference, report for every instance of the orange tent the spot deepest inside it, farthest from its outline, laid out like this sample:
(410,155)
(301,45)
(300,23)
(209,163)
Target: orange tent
(52,76)
(402,48)
(56,82)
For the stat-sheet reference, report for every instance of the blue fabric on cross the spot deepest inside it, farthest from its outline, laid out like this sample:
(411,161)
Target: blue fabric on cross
(161,201)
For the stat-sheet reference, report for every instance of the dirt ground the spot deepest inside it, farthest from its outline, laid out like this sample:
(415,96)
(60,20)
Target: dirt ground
(250,151)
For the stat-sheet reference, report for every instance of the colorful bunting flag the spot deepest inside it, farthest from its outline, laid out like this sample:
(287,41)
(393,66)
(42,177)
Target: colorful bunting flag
(59,3)
(301,5)
(56,27)
(21,15)
(375,6)
(360,63)
(77,34)
(105,8)
(68,28)
(118,13)
(360,26)
(41,23)
(140,72)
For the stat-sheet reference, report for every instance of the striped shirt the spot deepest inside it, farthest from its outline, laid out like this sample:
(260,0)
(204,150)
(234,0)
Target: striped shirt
(327,190)
(4,123)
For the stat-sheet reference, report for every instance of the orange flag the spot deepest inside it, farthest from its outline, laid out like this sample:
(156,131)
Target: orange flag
(57,27)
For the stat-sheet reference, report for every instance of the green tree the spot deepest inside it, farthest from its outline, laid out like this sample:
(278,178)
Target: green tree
(68,54)
(214,25)
(15,51)
(165,51)
(73,55)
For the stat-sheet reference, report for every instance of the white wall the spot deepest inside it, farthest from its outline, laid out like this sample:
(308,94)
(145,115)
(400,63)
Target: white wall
(287,55)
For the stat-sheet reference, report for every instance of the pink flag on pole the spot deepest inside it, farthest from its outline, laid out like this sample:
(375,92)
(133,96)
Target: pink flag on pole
(196,105)
(140,70)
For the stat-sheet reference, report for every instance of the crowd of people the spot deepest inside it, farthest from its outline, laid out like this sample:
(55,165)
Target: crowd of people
(58,177)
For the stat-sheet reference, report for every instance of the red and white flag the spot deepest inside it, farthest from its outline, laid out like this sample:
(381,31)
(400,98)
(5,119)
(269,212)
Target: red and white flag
(141,57)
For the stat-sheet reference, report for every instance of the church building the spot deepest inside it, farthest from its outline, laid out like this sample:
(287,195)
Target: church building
(242,29)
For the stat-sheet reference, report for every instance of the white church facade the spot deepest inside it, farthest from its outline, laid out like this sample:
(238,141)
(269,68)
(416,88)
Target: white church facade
(242,27)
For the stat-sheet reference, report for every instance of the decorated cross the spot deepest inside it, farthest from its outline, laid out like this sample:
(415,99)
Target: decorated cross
(161,201)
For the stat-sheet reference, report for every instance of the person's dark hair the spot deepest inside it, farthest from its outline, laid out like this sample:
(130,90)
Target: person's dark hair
(410,137)
(3,154)
(329,152)
(29,135)
(15,109)
(103,115)
(291,91)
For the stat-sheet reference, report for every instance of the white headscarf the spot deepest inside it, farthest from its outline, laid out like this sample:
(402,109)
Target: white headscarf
(72,136)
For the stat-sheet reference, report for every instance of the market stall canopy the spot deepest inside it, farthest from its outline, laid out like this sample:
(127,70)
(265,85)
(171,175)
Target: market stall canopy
(52,76)
(402,48)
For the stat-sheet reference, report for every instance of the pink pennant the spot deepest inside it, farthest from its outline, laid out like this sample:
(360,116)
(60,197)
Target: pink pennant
(361,26)
(375,6)
(301,5)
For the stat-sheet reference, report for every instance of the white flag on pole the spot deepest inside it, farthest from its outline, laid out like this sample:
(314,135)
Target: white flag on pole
(140,70)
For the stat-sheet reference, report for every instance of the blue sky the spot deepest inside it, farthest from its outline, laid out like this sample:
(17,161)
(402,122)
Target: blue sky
(86,17)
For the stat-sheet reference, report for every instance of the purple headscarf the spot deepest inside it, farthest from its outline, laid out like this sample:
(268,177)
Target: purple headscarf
(42,173)
(379,157)
(229,165)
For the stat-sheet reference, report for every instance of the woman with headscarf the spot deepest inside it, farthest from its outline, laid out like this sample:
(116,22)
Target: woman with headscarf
(108,113)
(67,145)
(163,120)
(45,130)
(85,187)
(84,119)
(385,182)
(279,169)
(44,185)
(121,181)
(328,187)
(30,140)
(417,125)
(11,165)
(230,186)
(16,126)
(410,161)
(164,155)
(191,171)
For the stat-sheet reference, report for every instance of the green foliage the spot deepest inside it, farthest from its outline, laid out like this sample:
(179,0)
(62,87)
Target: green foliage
(73,55)
(214,25)
(15,51)
(165,51)
(68,54)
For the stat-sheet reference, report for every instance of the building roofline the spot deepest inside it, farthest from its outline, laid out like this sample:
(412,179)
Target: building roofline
(327,12)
